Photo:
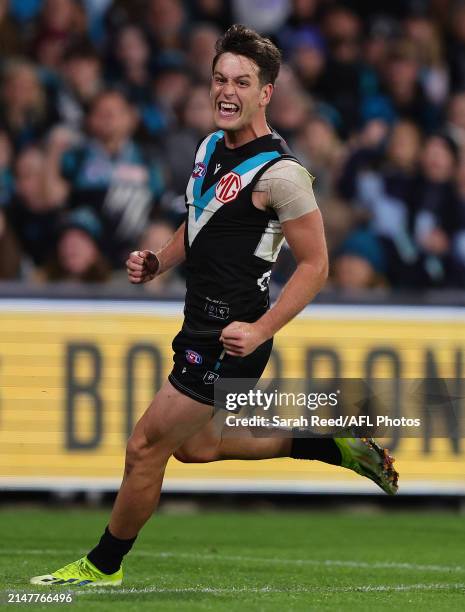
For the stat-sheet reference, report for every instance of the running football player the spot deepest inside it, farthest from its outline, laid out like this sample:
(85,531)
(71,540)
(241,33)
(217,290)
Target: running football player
(247,193)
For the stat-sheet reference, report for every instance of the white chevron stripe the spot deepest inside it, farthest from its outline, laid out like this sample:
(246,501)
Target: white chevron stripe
(199,157)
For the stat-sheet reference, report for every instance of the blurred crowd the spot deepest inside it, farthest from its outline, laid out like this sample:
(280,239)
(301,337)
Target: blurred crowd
(102,104)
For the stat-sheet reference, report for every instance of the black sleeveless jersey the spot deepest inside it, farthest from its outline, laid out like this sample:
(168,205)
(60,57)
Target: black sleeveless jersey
(230,244)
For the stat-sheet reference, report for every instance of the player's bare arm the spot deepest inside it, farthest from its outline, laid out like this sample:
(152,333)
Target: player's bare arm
(306,240)
(143,266)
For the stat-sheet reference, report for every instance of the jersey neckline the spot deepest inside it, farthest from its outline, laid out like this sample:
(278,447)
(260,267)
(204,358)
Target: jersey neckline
(245,147)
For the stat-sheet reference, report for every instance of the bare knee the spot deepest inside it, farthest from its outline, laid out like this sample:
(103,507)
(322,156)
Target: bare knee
(136,451)
(187,454)
(141,453)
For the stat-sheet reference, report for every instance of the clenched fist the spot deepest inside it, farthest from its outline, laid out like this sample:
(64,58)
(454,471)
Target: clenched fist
(142,266)
(240,339)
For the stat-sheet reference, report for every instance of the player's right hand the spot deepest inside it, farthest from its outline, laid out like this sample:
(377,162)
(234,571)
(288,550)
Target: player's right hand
(142,266)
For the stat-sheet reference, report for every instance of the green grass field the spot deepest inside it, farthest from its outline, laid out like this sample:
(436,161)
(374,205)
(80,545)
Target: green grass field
(251,561)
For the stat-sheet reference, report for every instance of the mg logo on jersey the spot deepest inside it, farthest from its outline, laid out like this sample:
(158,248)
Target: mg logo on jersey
(228,187)
(199,170)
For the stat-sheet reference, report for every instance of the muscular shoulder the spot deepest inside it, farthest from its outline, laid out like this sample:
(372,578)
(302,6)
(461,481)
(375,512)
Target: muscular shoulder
(288,188)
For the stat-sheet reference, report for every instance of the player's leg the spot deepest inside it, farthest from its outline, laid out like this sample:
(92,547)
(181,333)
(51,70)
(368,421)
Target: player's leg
(170,419)
(208,445)
(168,422)
(361,455)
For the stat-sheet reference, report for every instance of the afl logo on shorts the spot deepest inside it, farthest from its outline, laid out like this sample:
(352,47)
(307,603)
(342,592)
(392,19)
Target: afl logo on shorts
(199,171)
(228,187)
(193,357)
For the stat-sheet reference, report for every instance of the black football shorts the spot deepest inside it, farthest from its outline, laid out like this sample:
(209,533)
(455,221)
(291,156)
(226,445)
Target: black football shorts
(198,364)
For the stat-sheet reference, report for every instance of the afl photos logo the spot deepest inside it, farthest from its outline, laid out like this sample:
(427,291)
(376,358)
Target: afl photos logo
(228,187)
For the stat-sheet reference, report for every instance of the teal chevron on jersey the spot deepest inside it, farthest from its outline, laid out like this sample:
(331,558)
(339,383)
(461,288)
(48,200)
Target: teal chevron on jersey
(201,201)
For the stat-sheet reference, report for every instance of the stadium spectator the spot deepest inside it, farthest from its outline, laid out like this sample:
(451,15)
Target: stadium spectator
(385,195)
(366,153)
(82,80)
(342,81)
(423,32)
(113,175)
(78,256)
(33,220)
(288,111)
(201,51)
(62,22)
(308,57)
(318,147)
(359,264)
(25,109)
(170,85)
(167,23)
(433,202)
(59,139)
(403,90)
(129,63)
(382,31)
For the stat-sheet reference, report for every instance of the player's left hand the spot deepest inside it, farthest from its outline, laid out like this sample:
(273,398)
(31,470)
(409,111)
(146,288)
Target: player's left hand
(240,339)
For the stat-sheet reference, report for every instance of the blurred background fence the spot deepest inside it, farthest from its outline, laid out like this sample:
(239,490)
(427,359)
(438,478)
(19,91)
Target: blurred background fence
(76,374)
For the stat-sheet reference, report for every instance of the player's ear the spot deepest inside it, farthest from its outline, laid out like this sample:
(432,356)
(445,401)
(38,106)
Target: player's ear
(266,93)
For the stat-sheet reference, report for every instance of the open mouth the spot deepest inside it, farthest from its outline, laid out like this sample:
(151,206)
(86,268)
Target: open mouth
(227,109)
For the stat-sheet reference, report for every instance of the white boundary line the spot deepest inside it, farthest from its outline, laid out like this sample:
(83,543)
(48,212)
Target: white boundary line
(264,590)
(312,562)
(263,560)
(444,314)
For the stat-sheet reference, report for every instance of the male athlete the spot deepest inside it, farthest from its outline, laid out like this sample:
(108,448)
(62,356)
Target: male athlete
(245,195)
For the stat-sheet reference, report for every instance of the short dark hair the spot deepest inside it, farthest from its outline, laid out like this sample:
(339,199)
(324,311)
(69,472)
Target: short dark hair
(244,41)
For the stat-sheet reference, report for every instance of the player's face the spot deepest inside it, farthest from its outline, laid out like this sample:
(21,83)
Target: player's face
(236,92)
